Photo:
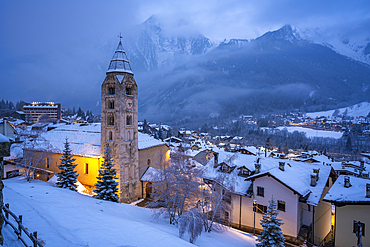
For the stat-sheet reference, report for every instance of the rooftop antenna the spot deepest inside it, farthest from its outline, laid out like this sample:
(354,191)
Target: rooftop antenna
(120,36)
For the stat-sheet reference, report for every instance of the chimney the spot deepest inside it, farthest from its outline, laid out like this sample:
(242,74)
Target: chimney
(365,174)
(347,183)
(216,159)
(5,128)
(281,165)
(316,171)
(368,190)
(362,164)
(313,179)
(257,168)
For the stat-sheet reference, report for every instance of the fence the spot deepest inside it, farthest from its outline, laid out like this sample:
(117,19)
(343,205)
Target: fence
(19,228)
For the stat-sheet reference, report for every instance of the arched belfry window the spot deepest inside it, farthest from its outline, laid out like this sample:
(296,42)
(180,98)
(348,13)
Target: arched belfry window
(111,90)
(129,120)
(110,135)
(110,120)
(128,91)
(111,104)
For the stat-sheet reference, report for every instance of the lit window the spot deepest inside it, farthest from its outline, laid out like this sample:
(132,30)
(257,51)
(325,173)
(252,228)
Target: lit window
(86,170)
(260,209)
(149,161)
(260,191)
(47,163)
(281,206)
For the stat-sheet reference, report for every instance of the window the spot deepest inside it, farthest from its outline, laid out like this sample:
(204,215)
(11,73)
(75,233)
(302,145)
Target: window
(111,90)
(260,191)
(227,216)
(86,170)
(260,209)
(357,225)
(110,104)
(128,90)
(149,161)
(129,120)
(227,197)
(110,135)
(110,120)
(281,206)
(47,163)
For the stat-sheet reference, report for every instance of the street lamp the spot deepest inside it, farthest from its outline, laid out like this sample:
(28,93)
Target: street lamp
(254,216)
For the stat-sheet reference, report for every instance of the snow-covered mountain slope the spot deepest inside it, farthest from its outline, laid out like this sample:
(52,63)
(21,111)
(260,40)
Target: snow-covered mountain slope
(357,110)
(65,218)
(354,47)
(278,71)
(151,47)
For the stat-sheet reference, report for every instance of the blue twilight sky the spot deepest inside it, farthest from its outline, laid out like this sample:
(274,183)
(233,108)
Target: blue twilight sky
(59,50)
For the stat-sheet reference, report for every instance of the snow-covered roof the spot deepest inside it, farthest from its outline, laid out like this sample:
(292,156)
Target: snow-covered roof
(152,175)
(84,139)
(356,193)
(147,141)
(301,172)
(119,62)
(3,138)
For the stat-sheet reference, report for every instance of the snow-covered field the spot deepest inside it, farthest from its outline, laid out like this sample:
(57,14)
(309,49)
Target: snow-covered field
(361,109)
(313,133)
(66,218)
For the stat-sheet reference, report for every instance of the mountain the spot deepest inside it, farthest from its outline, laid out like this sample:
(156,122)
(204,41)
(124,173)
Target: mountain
(183,76)
(151,48)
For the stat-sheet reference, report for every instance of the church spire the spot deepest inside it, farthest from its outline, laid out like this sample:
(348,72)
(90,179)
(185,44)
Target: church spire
(119,62)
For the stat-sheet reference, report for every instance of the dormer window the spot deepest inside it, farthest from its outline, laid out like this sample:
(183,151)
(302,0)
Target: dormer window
(244,171)
(111,90)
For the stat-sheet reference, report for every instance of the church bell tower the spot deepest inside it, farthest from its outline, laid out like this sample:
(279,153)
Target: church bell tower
(119,123)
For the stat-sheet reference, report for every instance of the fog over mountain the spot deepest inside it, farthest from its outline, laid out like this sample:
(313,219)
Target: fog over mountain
(192,77)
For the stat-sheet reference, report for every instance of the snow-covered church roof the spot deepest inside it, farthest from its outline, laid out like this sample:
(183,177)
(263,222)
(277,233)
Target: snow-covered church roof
(84,139)
(119,62)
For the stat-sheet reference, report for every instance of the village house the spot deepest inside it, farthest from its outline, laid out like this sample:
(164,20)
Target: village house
(297,187)
(351,198)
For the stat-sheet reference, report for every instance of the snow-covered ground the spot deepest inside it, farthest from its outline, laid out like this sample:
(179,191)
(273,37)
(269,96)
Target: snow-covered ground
(313,133)
(361,109)
(66,218)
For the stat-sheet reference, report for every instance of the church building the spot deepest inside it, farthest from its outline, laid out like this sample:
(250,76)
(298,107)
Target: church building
(132,152)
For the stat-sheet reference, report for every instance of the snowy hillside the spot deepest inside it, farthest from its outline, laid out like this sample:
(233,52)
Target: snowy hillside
(66,218)
(361,109)
(310,133)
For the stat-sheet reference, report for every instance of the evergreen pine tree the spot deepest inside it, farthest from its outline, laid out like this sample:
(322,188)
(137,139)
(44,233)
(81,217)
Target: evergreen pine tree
(67,177)
(106,187)
(271,234)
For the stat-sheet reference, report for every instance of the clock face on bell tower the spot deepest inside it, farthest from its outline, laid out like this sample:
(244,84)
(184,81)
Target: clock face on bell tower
(129,103)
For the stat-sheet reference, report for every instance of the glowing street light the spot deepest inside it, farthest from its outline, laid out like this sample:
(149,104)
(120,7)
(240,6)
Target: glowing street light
(254,216)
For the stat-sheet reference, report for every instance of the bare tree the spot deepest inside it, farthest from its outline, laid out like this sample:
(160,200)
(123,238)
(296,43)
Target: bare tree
(36,151)
(215,202)
(177,189)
